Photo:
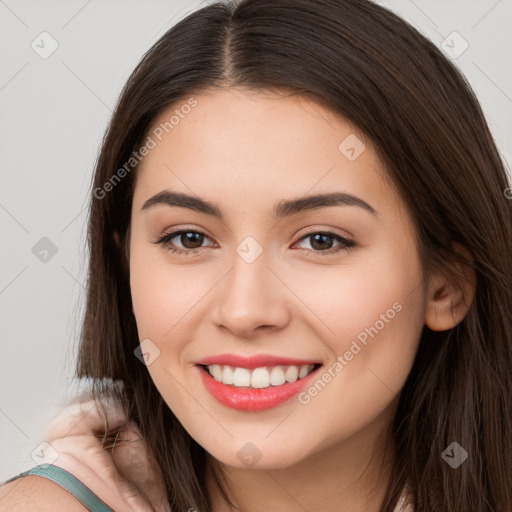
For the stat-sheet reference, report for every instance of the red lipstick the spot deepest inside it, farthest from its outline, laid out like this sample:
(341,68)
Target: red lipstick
(248,398)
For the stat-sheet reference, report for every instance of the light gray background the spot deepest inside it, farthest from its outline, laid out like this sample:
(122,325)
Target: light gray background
(53,115)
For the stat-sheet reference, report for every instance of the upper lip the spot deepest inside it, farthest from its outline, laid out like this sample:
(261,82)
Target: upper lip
(255,361)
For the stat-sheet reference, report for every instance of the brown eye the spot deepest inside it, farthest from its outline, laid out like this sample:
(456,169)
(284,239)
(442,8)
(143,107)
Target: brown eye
(322,242)
(189,240)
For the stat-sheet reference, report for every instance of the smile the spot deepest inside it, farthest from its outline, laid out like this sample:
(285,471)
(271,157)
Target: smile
(258,378)
(255,389)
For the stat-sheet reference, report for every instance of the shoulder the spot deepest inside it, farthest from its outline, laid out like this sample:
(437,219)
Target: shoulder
(37,494)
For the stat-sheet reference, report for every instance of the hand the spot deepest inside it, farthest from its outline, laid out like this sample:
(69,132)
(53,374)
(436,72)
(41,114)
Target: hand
(121,473)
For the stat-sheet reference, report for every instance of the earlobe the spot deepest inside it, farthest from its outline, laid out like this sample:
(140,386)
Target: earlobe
(447,303)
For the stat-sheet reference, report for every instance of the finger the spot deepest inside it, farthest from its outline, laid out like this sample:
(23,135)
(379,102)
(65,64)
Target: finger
(94,467)
(130,458)
(88,417)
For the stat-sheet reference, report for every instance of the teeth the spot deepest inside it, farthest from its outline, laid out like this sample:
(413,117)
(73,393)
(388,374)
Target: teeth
(227,375)
(216,372)
(304,370)
(258,378)
(277,376)
(291,374)
(241,377)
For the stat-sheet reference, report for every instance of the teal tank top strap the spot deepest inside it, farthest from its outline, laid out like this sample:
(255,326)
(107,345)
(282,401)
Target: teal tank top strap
(69,482)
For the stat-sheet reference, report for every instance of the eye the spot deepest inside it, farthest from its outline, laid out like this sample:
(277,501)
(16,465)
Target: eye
(191,241)
(321,242)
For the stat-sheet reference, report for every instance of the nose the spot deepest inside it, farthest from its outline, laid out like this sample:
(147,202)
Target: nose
(251,300)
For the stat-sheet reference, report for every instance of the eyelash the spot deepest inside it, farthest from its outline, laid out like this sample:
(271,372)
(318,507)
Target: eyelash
(346,244)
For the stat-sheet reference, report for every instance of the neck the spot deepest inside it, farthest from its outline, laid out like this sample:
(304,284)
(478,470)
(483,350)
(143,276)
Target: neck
(351,475)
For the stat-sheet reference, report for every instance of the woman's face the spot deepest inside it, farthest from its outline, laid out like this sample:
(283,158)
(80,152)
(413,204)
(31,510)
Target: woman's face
(265,271)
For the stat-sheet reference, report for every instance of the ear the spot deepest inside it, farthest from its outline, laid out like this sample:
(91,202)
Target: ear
(447,303)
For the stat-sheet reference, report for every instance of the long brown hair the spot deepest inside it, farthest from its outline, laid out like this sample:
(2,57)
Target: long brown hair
(368,65)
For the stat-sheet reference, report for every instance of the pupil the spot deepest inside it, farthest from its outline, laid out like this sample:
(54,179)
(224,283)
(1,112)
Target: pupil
(323,243)
(187,238)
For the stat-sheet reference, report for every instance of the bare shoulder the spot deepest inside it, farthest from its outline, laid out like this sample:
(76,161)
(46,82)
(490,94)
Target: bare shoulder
(34,493)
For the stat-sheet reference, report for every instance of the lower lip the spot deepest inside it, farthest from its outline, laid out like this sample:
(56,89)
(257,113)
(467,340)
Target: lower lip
(250,399)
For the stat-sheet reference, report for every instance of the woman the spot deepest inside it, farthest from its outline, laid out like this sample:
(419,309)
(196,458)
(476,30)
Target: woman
(300,272)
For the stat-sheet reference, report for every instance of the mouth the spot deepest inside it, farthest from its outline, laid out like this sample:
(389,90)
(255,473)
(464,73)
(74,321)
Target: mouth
(258,378)
(256,389)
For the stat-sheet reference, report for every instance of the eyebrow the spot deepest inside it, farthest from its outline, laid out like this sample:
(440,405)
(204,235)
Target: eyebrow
(284,208)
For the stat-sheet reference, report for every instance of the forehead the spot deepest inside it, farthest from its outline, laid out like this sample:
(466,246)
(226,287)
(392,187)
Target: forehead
(236,144)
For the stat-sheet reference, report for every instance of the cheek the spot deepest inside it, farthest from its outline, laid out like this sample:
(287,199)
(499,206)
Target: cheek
(163,298)
(379,318)
(351,296)
(375,311)
(162,293)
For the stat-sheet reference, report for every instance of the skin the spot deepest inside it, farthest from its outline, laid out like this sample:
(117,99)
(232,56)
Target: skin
(245,152)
